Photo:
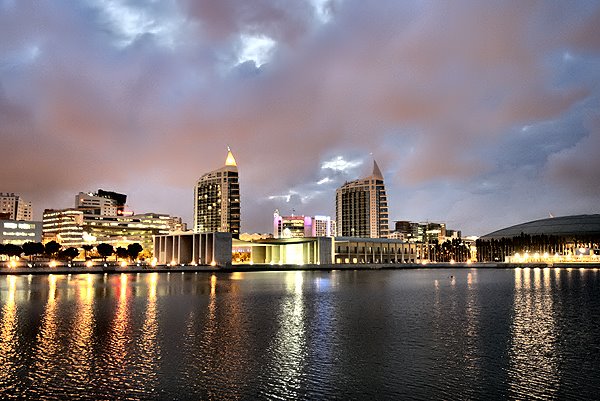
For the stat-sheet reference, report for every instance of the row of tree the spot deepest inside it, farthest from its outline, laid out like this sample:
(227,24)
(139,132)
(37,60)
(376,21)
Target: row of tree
(53,250)
(499,249)
(448,251)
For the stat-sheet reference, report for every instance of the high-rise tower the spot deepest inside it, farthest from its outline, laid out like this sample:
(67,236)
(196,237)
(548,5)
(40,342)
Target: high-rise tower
(361,208)
(217,200)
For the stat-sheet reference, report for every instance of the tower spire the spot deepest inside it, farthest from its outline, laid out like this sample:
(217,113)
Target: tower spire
(376,171)
(230,160)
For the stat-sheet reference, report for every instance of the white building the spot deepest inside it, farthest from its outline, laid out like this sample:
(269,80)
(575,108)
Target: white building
(302,226)
(361,208)
(19,232)
(13,207)
(217,200)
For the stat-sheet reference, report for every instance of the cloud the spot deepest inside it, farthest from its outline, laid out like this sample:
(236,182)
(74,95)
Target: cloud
(144,97)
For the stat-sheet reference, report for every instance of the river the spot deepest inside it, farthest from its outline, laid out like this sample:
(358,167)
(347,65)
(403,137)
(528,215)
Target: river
(389,334)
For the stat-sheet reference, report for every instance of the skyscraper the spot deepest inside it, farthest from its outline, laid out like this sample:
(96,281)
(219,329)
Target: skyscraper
(361,208)
(217,200)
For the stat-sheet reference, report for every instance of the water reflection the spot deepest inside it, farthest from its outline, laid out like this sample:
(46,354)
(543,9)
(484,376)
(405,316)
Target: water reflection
(534,366)
(9,336)
(81,342)
(48,343)
(289,345)
(119,336)
(149,343)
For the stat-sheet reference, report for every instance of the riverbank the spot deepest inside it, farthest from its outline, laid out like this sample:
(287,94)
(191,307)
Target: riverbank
(110,269)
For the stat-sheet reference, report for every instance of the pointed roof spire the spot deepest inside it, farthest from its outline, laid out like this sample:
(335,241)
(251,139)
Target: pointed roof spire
(230,161)
(376,171)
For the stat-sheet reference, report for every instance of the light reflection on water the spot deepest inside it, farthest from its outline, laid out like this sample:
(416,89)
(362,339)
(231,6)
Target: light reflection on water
(429,333)
(533,334)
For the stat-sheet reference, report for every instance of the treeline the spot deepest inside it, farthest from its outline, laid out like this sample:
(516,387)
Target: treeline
(498,249)
(449,251)
(54,250)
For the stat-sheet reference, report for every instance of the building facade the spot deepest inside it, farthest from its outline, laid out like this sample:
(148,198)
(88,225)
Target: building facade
(361,208)
(217,200)
(302,226)
(18,231)
(13,207)
(101,217)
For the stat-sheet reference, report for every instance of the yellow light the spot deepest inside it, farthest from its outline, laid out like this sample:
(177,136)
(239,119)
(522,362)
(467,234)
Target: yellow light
(89,263)
(213,263)
(123,264)
(13,263)
(452,261)
(53,263)
(469,261)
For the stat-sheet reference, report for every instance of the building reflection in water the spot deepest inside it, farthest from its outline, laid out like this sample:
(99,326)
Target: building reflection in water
(289,345)
(534,365)
(47,352)
(149,344)
(80,348)
(472,332)
(119,334)
(8,335)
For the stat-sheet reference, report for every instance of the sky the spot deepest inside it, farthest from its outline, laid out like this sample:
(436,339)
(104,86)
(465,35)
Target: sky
(480,114)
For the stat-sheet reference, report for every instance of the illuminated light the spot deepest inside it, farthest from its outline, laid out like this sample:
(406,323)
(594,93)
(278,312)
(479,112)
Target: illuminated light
(52,263)
(424,262)
(230,160)
(452,261)
(517,255)
(13,263)
(545,255)
(89,263)
(153,263)
(536,255)
(469,262)
(172,263)
(123,264)
(213,263)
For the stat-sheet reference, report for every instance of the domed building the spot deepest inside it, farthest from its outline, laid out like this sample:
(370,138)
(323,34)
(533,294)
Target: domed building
(567,238)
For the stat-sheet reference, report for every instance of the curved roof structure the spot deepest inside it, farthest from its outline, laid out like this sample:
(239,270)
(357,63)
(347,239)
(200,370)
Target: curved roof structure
(566,226)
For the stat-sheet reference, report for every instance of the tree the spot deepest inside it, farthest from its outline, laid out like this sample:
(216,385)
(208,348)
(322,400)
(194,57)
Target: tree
(133,250)
(12,250)
(29,249)
(121,252)
(86,249)
(70,253)
(51,248)
(105,250)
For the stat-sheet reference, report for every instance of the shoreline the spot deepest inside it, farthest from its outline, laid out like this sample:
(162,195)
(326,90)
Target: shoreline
(267,267)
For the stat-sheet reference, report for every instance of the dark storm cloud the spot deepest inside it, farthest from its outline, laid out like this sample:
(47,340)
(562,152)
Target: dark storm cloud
(479,114)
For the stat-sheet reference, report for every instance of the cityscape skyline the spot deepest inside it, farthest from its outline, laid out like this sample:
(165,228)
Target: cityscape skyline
(481,116)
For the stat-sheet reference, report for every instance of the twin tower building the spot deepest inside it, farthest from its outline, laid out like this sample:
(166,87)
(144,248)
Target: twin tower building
(361,207)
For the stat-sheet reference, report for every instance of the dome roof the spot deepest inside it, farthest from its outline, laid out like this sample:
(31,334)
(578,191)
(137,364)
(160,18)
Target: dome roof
(566,226)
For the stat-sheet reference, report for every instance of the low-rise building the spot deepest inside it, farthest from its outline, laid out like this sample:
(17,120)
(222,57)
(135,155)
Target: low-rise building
(301,226)
(18,231)
(13,207)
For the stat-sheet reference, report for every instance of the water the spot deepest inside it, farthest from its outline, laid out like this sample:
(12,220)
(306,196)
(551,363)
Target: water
(414,334)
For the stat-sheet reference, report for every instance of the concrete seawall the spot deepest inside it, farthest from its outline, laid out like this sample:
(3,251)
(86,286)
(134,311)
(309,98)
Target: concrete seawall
(264,267)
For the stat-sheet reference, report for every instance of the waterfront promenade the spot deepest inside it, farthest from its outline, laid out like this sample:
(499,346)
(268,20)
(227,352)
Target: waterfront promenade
(99,269)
